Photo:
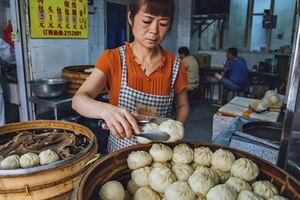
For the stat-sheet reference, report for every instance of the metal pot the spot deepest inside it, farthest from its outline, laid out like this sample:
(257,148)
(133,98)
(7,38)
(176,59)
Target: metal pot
(51,87)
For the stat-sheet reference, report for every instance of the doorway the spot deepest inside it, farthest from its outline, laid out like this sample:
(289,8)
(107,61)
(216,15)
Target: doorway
(14,92)
(116,24)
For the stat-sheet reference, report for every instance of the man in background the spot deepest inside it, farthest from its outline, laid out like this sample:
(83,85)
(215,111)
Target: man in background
(7,55)
(234,76)
(192,73)
(192,68)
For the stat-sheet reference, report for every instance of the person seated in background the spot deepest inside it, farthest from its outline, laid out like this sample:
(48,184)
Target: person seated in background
(234,76)
(192,68)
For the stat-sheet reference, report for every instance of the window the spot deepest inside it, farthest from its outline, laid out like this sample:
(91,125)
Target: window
(259,35)
(237,27)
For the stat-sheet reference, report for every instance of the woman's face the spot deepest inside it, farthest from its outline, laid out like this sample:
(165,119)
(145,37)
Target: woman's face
(149,30)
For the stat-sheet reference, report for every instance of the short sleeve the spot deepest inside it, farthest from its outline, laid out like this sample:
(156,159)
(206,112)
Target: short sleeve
(107,63)
(181,80)
(103,63)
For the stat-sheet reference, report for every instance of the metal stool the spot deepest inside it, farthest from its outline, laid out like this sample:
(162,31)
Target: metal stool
(211,90)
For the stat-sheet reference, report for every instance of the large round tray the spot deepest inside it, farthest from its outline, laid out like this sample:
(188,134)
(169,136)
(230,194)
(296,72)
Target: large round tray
(53,181)
(114,167)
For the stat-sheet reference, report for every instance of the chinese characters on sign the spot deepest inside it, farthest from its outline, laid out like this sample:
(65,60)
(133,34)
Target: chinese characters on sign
(59,18)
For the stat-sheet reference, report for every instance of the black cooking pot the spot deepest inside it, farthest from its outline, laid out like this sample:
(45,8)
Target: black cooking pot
(265,130)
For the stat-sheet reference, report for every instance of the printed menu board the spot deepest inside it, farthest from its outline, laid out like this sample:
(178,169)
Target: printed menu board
(58,18)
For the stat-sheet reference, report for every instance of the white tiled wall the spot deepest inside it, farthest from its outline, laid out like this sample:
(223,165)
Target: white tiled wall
(96,32)
(50,56)
(184,23)
(180,34)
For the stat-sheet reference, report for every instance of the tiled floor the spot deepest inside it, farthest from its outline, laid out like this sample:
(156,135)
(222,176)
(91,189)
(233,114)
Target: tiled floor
(199,124)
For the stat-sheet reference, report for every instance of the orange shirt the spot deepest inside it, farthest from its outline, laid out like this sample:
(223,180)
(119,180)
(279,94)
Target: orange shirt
(157,83)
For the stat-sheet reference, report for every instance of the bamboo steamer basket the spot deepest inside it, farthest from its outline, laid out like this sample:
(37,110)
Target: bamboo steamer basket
(76,72)
(76,75)
(114,167)
(53,181)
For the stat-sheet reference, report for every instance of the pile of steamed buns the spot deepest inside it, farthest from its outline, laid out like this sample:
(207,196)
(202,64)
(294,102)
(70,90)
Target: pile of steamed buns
(28,160)
(190,174)
(270,100)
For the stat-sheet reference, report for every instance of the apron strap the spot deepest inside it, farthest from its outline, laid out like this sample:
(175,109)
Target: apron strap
(175,72)
(124,66)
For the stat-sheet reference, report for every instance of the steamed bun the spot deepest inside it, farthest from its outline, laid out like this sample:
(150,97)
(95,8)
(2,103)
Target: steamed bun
(183,153)
(143,140)
(160,178)
(245,169)
(48,156)
(270,93)
(140,176)
(202,156)
(222,160)
(180,191)
(149,127)
(112,190)
(161,164)
(132,187)
(238,184)
(29,160)
(138,159)
(265,189)
(271,100)
(223,176)
(145,193)
(182,171)
(10,162)
(200,183)
(248,195)
(221,192)
(161,153)
(173,128)
(209,173)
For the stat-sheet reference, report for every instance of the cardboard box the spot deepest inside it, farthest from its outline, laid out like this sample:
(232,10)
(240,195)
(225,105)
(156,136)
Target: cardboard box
(203,59)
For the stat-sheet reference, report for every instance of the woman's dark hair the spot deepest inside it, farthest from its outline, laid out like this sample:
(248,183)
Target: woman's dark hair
(184,50)
(164,8)
(233,51)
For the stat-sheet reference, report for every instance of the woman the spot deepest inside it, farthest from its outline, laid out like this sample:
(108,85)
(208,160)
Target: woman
(140,76)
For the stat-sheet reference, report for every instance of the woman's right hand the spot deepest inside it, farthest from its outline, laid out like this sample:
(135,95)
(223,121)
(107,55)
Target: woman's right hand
(119,121)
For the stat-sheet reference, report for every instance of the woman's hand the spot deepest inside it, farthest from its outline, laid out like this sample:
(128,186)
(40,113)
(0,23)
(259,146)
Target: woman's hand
(119,121)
